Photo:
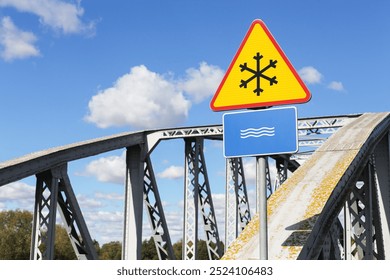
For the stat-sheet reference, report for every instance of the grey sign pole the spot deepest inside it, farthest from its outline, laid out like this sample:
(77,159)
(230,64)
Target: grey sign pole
(262,196)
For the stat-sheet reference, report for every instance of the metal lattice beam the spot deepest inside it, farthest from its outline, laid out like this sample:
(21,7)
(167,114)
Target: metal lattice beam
(282,171)
(367,226)
(156,215)
(43,232)
(55,191)
(270,187)
(363,235)
(191,204)
(237,213)
(198,195)
(323,125)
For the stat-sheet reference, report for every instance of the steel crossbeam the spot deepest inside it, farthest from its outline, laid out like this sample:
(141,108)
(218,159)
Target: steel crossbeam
(306,126)
(323,125)
(312,132)
(207,131)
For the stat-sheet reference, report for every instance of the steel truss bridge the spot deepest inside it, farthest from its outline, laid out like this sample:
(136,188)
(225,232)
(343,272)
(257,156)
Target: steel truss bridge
(335,204)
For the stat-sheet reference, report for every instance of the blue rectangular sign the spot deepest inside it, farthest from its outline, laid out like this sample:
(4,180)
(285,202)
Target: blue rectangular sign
(260,132)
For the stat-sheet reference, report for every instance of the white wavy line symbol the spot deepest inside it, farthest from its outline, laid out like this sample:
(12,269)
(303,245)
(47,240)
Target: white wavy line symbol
(257,132)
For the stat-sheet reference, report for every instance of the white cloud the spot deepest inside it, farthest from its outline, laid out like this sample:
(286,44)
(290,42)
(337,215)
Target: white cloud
(20,194)
(338,86)
(172,172)
(142,99)
(56,14)
(174,219)
(15,43)
(250,171)
(109,196)
(175,224)
(106,216)
(201,83)
(108,169)
(105,226)
(219,208)
(88,202)
(310,75)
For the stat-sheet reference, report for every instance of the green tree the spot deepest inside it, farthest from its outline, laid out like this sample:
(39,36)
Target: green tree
(63,249)
(111,251)
(148,251)
(178,249)
(202,250)
(15,235)
(97,246)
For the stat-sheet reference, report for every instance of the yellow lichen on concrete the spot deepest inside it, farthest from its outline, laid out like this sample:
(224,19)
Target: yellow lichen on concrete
(250,230)
(277,198)
(293,251)
(323,191)
(283,192)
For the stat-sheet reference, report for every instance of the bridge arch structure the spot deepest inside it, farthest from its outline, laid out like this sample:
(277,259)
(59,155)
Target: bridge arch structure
(335,205)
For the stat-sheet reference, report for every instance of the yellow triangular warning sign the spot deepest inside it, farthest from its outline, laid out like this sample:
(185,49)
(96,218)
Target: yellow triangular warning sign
(260,75)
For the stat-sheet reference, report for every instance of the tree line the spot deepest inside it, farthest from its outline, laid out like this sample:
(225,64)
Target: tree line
(15,241)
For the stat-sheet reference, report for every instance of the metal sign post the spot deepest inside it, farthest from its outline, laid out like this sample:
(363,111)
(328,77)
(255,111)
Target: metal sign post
(260,133)
(261,185)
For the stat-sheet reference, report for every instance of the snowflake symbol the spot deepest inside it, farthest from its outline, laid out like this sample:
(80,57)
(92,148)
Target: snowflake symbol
(258,73)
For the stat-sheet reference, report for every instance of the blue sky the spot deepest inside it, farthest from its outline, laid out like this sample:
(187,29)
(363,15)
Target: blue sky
(76,70)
